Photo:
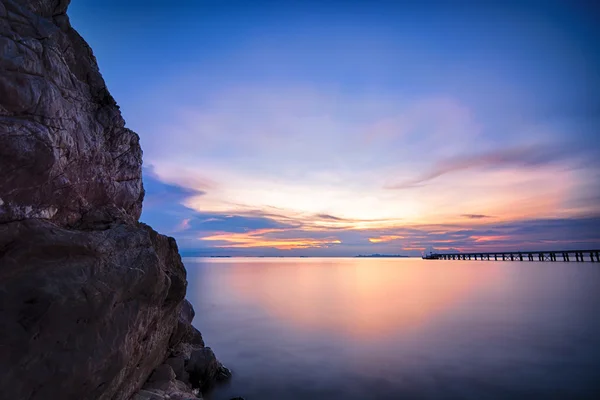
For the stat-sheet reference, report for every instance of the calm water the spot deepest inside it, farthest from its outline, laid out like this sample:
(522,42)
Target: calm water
(400,328)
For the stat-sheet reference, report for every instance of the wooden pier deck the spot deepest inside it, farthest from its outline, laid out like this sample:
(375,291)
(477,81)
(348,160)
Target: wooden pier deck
(562,255)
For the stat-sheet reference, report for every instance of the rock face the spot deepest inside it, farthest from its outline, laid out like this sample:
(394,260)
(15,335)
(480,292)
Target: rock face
(87,314)
(54,105)
(91,301)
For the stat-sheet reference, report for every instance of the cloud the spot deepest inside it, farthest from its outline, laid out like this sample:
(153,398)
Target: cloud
(329,217)
(265,238)
(428,120)
(164,203)
(322,158)
(385,238)
(256,234)
(160,192)
(298,171)
(515,157)
(475,216)
(266,233)
(253,128)
(215,222)
(184,225)
(535,234)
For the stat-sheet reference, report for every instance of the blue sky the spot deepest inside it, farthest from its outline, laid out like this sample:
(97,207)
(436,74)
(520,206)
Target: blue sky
(338,128)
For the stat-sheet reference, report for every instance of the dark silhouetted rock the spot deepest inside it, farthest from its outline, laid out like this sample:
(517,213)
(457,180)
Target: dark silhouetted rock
(87,314)
(148,395)
(187,312)
(178,366)
(205,369)
(91,300)
(163,372)
(185,332)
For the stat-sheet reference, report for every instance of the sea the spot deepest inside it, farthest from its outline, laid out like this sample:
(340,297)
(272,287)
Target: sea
(399,328)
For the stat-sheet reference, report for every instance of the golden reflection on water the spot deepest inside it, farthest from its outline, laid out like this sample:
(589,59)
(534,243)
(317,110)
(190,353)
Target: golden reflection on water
(360,298)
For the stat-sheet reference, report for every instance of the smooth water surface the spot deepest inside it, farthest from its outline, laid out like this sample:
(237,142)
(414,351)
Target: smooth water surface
(346,328)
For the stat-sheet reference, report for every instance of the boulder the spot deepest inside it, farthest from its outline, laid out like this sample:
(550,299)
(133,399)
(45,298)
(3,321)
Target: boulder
(187,313)
(185,332)
(205,369)
(87,314)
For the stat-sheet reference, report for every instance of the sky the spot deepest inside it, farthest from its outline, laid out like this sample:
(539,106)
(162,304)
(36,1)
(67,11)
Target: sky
(330,128)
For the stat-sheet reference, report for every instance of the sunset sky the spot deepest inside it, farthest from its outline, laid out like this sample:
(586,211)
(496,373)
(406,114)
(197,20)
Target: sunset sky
(342,128)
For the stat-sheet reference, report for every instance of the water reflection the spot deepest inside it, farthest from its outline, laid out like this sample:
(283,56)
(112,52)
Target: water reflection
(351,297)
(400,328)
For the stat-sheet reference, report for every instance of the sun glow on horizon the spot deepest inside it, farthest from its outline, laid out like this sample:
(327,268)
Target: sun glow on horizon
(309,217)
(259,238)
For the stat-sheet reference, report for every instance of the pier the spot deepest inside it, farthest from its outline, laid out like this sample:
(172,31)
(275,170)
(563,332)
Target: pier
(563,255)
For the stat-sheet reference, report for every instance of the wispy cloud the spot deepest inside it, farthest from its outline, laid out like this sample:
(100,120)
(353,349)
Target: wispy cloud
(158,191)
(329,217)
(475,216)
(515,157)
(298,170)
(184,225)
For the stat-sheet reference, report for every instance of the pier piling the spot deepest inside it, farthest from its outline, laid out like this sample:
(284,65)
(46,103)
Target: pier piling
(566,256)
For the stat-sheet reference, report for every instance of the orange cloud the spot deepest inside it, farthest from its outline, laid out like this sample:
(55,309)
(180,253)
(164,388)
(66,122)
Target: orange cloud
(490,238)
(256,239)
(382,239)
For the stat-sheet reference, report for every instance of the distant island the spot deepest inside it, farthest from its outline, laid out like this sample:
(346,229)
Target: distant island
(381,256)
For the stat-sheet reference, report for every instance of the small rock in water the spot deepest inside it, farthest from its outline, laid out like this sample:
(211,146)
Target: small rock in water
(224,373)
(204,368)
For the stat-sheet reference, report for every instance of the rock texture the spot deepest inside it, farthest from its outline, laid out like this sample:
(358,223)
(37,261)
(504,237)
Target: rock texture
(54,105)
(91,301)
(87,314)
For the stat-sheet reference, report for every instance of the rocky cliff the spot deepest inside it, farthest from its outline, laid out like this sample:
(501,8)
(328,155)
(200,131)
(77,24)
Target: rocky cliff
(91,301)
